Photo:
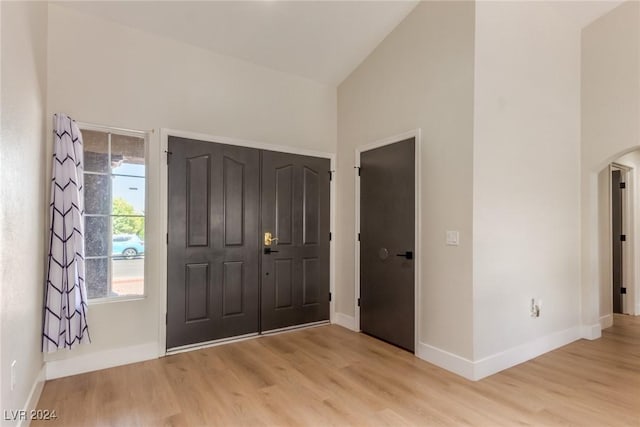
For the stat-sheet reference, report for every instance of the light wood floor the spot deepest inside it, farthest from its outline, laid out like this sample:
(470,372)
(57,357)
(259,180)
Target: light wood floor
(331,376)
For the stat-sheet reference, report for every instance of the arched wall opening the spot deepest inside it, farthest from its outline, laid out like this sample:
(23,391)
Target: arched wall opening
(597,246)
(620,269)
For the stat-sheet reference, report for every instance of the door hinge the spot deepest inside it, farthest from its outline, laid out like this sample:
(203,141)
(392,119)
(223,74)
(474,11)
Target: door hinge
(329,296)
(357,167)
(358,237)
(167,238)
(329,236)
(623,237)
(623,185)
(623,290)
(166,318)
(358,302)
(331,175)
(168,153)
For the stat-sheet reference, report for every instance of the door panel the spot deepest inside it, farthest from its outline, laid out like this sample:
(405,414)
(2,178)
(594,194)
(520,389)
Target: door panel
(283,282)
(310,283)
(232,288)
(197,289)
(387,218)
(213,249)
(617,244)
(284,205)
(311,206)
(198,191)
(295,209)
(233,202)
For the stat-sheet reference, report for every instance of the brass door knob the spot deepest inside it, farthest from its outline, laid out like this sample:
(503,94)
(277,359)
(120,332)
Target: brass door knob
(268,239)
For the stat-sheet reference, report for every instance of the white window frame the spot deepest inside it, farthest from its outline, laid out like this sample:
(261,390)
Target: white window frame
(145,136)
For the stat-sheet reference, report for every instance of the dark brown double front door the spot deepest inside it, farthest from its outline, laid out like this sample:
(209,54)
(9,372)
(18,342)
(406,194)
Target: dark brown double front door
(223,279)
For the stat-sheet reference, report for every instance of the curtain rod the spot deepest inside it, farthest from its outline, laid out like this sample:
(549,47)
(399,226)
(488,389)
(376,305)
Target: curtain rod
(93,125)
(107,128)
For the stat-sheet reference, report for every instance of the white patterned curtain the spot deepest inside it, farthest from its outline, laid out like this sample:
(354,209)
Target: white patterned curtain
(65,310)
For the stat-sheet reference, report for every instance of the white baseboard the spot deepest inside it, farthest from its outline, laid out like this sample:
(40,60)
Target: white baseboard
(637,312)
(449,361)
(476,370)
(101,360)
(516,355)
(591,332)
(346,321)
(606,321)
(34,397)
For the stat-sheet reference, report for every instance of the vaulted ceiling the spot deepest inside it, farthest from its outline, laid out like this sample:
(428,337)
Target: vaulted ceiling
(319,40)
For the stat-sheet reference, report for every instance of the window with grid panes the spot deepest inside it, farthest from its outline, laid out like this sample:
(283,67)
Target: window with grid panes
(114,195)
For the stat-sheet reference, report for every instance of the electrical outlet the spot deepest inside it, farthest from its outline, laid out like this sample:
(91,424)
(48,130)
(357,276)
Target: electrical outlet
(13,374)
(535,307)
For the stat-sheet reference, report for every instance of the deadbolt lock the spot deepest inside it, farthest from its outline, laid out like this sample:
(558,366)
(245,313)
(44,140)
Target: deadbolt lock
(268,239)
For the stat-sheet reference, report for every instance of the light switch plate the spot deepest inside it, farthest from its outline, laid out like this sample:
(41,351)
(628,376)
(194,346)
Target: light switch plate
(453,237)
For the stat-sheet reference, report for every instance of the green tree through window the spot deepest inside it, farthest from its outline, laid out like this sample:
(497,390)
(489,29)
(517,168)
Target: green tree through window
(123,222)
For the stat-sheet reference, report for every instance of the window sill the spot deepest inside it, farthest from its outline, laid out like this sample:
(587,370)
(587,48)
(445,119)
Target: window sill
(123,298)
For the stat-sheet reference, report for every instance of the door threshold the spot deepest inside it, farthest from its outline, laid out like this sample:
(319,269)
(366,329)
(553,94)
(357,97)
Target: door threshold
(230,340)
(213,343)
(296,327)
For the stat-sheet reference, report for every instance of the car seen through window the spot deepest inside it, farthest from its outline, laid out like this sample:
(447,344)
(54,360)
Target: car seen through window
(126,246)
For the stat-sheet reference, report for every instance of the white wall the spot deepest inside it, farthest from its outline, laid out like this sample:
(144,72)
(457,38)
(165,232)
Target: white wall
(420,76)
(104,73)
(526,181)
(610,127)
(23,209)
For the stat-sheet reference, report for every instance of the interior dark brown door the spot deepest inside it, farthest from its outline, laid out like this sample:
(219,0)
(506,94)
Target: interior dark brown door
(213,241)
(295,267)
(617,242)
(387,214)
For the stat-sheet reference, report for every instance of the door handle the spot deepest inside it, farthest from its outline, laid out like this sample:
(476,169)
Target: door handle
(407,255)
(268,239)
(268,251)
